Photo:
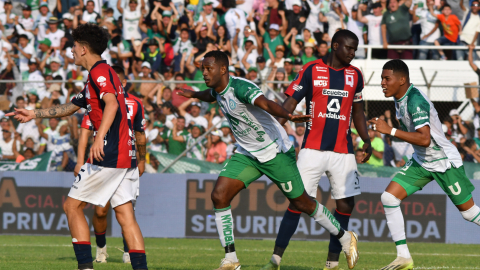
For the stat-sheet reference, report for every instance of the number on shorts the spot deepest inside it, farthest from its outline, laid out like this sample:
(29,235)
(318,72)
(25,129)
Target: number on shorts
(79,176)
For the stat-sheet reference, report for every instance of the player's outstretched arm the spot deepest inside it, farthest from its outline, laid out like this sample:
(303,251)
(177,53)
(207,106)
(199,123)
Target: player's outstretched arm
(359,121)
(23,115)
(278,111)
(205,95)
(289,104)
(141,141)
(420,137)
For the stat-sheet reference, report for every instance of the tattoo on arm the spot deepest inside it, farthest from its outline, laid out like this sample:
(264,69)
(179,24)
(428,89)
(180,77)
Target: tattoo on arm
(57,111)
(141,147)
(142,151)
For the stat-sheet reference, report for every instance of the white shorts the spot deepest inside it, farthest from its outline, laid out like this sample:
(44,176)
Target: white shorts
(98,185)
(341,170)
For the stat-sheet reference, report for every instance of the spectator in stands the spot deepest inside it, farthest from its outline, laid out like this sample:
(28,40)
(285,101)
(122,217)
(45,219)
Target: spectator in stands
(359,155)
(276,60)
(216,148)
(274,36)
(334,17)
(469,31)
(196,149)
(430,29)
(8,145)
(26,19)
(176,147)
(373,21)
(451,27)
(157,138)
(396,29)
(194,117)
(472,151)
(91,16)
(53,33)
(378,147)
(296,16)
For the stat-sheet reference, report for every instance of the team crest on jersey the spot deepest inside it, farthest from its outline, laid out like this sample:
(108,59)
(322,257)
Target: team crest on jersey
(102,81)
(232,104)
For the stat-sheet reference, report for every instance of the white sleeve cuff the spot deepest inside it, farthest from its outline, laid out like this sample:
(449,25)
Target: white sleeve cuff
(255,97)
(422,125)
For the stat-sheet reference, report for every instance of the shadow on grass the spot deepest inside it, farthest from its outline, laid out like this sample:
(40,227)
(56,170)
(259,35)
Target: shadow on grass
(70,258)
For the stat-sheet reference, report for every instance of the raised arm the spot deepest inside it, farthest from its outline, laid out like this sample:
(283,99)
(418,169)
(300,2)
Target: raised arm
(182,109)
(262,22)
(384,36)
(175,136)
(284,23)
(119,6)
(359,121)
(408,3)
(235,39)
(363,19)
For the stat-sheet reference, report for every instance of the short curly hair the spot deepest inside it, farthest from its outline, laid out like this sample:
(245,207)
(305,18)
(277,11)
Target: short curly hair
(93,36)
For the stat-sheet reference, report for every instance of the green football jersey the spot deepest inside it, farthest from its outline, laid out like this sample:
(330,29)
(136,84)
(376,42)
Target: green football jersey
(415,110)
(258,133)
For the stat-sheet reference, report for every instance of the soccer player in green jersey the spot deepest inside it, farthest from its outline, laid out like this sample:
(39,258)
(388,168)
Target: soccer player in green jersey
(435,158)
(264,149)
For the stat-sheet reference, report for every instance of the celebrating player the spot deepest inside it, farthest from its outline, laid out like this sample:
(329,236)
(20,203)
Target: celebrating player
(434,158)
(264,148)
(135,110)
(332,89)
(111,174)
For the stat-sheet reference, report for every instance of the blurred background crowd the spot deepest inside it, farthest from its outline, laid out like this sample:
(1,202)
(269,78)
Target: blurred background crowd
(165,40)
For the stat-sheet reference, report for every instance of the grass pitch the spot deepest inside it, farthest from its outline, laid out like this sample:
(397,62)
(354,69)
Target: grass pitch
(53,252)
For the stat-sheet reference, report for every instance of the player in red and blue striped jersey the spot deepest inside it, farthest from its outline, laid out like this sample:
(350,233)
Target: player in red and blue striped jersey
(333,93)
(99,221)
(112,173)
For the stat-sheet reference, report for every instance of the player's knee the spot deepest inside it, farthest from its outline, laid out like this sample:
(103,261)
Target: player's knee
(346,205)
(390,200)
(218,198)
(101,212)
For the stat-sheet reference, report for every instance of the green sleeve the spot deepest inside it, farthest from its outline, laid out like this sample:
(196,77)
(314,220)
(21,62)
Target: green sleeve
(419,109)
(247,92)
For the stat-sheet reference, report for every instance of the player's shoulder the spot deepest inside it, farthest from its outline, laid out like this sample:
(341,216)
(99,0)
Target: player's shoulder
(238,83)
(416,99)
(134,99)
(355,69)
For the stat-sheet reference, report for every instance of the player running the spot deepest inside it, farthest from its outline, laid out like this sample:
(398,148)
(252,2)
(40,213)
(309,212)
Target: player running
(435,158)
(111,174)
(99,221)
(334,96)
(264,148)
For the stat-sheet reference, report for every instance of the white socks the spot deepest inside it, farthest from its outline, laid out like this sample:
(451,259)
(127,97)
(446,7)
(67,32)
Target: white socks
(395,222)
(472,214)
(224,221)
(276,259)
(325,218)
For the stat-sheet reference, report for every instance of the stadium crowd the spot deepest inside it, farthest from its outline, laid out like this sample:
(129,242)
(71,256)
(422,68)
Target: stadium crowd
(167,39)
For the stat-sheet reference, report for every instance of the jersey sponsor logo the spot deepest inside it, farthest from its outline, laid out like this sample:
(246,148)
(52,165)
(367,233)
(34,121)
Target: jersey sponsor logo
(260,134)
(335,93)
(349,80)
(249,121)
(102,81)
(297,87)
(320,83)
(349,71)
(321,69)
(419,111)
(79,95)
(232,104)
(322,77)
(312,112)
(332,116)
(420,118)
(131,153)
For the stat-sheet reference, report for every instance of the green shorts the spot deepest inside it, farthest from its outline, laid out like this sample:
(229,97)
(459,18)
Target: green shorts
(282,170)
(413,177)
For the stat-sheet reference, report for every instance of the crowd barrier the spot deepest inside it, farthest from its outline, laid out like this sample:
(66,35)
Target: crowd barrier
(179,206)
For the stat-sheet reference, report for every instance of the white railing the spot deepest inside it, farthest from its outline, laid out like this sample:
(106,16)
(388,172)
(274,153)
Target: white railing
(413,47)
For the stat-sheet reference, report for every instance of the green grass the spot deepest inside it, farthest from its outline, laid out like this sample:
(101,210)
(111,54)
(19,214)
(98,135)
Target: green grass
(54,252)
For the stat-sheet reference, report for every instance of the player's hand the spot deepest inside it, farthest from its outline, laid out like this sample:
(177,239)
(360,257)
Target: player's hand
(77,169)
(141,167)
(380,125)
(22,115)
(299,118)
(186,93)
(96,151)
(367,151)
